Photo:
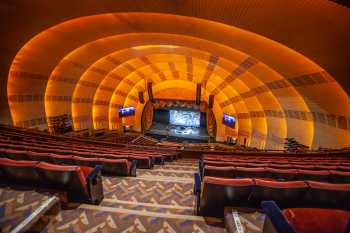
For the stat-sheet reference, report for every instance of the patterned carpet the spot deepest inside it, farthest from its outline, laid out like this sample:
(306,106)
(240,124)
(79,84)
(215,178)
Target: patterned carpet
(16,206)
(159,200)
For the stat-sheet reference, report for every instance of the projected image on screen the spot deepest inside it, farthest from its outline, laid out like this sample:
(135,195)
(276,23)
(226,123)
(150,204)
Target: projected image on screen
(185,118)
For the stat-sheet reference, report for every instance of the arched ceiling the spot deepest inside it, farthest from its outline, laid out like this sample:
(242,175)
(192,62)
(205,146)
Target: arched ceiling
(87,66)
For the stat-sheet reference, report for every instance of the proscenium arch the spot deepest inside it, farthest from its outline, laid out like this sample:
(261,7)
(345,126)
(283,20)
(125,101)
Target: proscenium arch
(258,126)
(189,86)
(284,60)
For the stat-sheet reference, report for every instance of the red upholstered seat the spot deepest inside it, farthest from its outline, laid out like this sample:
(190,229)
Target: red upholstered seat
(229,182)
(329,195)
(242,172)
(142,162)
(62,159)
(280,166)
(340,177)
(314,220)
(220,192)
(116,166)
(303,166)
(344,168)
(21,171)
(313,175)
(16,154)
(219,163)
(281,174)
(43,157)
(89,162)
(86,171)
(59,173)
(283,193)
(219,171)
(324,167)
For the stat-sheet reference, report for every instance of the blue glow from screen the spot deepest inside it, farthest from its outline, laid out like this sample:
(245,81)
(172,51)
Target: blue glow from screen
(129,111)
(229,120)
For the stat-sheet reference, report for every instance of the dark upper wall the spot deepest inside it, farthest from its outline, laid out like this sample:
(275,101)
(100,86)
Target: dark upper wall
(316,28)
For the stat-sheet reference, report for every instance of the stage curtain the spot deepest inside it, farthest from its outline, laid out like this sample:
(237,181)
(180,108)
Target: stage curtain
(147,116)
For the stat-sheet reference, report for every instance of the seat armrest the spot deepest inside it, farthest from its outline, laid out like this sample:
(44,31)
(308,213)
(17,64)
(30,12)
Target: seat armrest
(133,168)
(275,221)
(197,183)
(94,183)
(198,203)
(200,167)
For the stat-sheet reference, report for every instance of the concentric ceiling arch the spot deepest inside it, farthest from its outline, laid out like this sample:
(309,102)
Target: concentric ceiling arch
(85,66)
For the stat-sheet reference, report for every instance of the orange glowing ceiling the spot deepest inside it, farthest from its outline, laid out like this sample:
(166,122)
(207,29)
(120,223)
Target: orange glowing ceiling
(86,67)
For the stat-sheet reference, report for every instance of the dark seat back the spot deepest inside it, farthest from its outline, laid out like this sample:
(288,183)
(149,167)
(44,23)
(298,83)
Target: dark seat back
(340,177)
(288,193)
(227,172)
(119,167)
(65,177)
(19,171)
(242,172)
(89,162)
(329,195)
(281,174)
(220,192)
(322,176)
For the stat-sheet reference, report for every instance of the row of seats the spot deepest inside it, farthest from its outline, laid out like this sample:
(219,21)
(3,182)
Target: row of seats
(333,162)
(118,167)
(277,156)
(79,183)
(332,176)
(272,166)
(58,146)
(216,193)
(157,157)
(142,161)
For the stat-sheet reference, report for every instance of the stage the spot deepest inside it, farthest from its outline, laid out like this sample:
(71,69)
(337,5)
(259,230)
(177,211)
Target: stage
(177,133)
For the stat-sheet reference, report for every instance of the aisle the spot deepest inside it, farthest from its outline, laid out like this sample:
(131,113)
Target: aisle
(157,200)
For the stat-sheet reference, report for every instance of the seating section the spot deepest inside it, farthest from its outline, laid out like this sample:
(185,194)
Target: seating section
(143,140)
(304,220)
(333,169)
(81,184)
(290,180)
(24,145)
(218,192)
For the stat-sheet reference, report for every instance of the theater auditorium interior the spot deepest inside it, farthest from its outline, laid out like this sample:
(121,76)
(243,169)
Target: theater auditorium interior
(175,116)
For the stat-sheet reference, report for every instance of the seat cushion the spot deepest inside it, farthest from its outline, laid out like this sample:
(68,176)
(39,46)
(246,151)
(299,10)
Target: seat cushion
(312,220)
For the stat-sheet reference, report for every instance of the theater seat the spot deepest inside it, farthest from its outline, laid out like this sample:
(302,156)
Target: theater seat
(142,162)
(288,193)
(219,171)
(220,192)
(119,167)
(16,154)
(89,162)
(328,195)
(62,159)
(322,176)
(72,178)
(281,174)
(42,157)
(304,220)
(340,177)
(22,172)
(242,172)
